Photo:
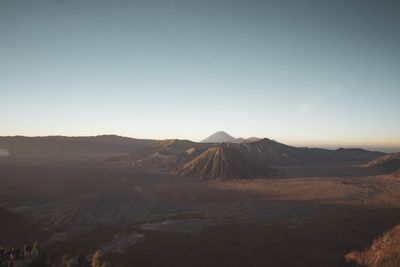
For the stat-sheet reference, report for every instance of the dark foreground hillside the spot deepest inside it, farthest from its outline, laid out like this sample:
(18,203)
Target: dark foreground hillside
(73,197)
(84,205)
(383,252)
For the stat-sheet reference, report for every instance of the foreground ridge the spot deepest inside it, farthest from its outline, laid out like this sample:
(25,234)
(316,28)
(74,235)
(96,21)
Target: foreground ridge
(384,251)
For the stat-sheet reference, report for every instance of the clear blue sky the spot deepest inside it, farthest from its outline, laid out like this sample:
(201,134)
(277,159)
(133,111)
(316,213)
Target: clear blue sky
(302,72)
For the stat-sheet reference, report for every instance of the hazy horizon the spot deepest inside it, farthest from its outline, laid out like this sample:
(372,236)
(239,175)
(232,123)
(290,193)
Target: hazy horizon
(303,143)
(306,74)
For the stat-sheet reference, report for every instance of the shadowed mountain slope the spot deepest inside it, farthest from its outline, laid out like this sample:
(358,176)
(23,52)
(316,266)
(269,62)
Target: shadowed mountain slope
(384,251)
(169,155)
(16,230)
(224,163)
(163,156)
(389,162)
(275,153)
(247,140)
(62,146)
(251,139)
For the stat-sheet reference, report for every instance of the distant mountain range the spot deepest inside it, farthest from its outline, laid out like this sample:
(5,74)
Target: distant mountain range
(64,147)
(214,159)
(223,137)
(232,160)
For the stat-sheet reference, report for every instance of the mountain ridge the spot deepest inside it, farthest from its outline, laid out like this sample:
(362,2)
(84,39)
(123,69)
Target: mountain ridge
(70,146)
(222,162)
(223,137)
(389,162)
(172,156)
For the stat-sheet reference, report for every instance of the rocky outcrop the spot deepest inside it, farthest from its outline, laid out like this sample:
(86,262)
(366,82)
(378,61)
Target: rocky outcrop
(384,251)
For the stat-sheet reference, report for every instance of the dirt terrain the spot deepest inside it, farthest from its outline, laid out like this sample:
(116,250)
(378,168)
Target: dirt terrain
(84,204)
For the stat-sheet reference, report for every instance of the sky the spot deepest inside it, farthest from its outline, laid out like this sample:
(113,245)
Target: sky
(313,73)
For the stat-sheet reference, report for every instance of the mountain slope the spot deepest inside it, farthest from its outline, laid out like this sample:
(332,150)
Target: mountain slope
(389,162)
(17,229)
(274,153)
(384,251)
(220,137)
(223,163)
(183,157)
(247,140)
(252,139)
(62,146)
(162,156)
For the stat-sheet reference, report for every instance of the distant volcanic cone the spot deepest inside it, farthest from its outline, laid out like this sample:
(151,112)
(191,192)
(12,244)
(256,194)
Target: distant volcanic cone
(224,163)
(220,137)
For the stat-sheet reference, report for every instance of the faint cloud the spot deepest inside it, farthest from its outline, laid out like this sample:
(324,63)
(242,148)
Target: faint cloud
(59,2)
(332,89)
(313,101)
(309,104)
